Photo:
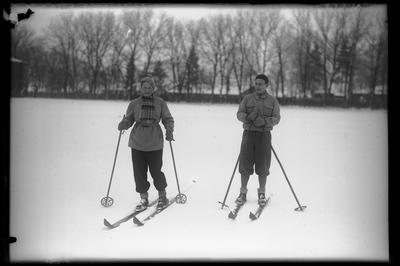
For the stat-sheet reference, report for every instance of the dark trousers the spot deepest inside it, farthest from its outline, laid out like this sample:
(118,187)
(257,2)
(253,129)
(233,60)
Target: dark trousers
(144,160)
(255,152)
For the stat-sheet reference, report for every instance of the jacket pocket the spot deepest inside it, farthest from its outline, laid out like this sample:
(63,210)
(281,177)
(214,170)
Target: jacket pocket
(250,109)
(267,111)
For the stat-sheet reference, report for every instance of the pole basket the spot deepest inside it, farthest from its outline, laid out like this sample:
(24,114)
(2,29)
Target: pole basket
(223,205)
(107,201)
(181,198)
(300,209)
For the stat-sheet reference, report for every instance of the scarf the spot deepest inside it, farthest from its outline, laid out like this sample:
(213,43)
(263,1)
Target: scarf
(147,111)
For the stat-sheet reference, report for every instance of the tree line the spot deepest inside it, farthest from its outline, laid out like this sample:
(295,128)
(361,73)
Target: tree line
(333,51)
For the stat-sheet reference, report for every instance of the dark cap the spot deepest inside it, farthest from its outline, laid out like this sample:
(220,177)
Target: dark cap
(148,80)
(263,77)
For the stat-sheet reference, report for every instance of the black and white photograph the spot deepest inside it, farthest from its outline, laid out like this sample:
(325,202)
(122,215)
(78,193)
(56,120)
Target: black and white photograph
(198,132)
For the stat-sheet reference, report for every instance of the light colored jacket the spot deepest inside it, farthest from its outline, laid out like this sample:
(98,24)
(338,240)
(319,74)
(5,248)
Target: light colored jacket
(148,138)
(266,106)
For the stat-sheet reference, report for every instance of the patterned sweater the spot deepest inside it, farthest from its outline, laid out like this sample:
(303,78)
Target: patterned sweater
(146,135)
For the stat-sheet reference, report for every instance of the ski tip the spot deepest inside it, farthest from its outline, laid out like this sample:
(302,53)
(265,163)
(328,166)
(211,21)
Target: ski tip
(252,216)
(136,221)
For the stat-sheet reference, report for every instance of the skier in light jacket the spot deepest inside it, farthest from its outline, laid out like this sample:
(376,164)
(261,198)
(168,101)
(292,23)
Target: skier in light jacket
(259,112)
(146,140)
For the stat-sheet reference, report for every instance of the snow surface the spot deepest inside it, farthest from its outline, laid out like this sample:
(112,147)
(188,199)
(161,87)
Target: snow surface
(62,153)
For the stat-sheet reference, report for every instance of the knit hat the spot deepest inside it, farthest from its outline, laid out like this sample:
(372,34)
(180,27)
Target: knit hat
(149,80)
(263,77)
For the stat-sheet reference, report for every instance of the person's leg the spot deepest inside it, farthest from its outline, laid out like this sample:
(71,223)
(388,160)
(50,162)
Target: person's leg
(246,160)
(246,163)
(263,153)
(262,200)
(140,172)
(154,159)
(262,180)
(140,175)
(155,163)
(263,162)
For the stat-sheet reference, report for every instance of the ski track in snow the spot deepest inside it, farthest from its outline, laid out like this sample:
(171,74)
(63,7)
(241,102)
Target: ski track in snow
(61,160)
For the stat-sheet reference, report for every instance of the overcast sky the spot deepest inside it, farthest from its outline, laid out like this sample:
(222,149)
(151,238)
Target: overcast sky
(43,13)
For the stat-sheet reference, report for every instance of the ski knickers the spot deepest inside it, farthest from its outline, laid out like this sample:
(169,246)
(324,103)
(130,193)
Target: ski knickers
(255,152)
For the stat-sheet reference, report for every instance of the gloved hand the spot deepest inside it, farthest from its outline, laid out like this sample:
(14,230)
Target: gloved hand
(169,136)
(123,125)
(259,121)
(252,116)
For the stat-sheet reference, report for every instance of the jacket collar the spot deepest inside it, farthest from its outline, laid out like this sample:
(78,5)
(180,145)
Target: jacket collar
(262,96)
(151,97)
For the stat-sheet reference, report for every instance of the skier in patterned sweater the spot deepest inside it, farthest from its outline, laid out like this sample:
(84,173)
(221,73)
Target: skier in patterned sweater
(146,141)
(259,112)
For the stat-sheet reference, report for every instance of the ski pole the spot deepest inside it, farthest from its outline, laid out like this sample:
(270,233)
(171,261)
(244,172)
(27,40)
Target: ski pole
(230,182)
(180,198)
(108,201)
(300,208)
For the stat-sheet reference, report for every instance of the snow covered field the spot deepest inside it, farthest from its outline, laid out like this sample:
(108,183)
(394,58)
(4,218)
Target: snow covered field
(62,153)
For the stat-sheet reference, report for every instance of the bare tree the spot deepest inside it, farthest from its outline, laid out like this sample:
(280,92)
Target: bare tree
(226,60)
(38,64)
(340,20)
(225,48)
(55,70)
(283,42)
(330,25)
(374,52)
(22,38)
(211,44)
(383,73)
(133,22)
(63,40)
(154,28)
(265,24)
(324,21)
(177,52)
(113,70)
(357,28)
(216,48)
(318,48)
(96,33)
(241,40)
(192,71)
(303,42)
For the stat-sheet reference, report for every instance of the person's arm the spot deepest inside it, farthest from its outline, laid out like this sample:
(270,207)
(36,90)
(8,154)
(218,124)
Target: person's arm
(276,116)
(167,120)
(130,115)
(129,118)
(241,113)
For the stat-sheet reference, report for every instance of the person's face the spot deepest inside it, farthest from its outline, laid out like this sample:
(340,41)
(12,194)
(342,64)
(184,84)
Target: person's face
(260,86)
(146,89)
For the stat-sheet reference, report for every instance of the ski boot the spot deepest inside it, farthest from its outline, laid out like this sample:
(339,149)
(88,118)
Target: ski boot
(162,203)
(241,199)
(262,200)
(143,204)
